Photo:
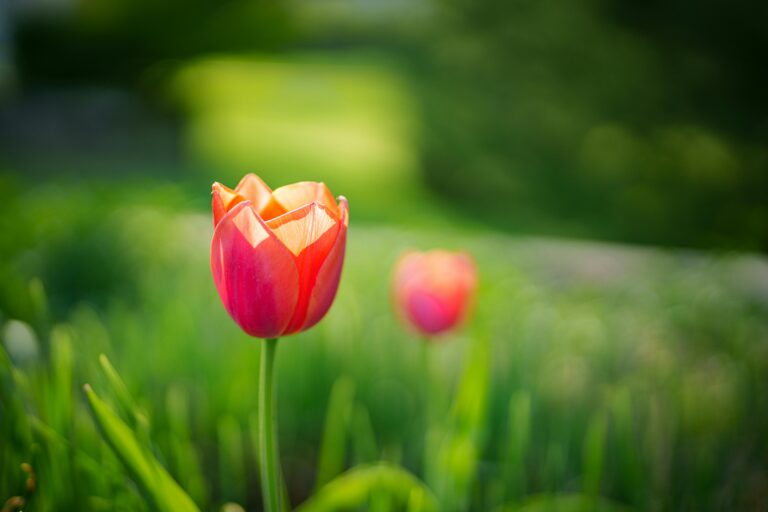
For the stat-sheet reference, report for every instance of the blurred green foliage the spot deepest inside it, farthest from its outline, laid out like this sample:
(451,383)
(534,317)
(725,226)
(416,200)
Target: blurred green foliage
(115,42)
(591,376)
(641,123)
(598,372)
(602,119)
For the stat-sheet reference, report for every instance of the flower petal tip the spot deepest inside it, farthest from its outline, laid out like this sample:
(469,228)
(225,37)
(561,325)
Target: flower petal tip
(343,209)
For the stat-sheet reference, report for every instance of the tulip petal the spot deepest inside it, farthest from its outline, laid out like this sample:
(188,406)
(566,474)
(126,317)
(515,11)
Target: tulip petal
(253,189)
(299,194)
(255,274)
(310,233)
(431,313)
(434,289)
(223,199)
(327,281)
(301,228)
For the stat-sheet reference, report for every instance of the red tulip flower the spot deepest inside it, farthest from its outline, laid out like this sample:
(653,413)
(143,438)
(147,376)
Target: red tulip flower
(276,256)
(433,290)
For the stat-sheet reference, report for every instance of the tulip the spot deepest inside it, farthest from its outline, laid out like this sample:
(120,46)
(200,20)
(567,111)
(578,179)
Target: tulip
(277,255)
(276,258)
(433,290)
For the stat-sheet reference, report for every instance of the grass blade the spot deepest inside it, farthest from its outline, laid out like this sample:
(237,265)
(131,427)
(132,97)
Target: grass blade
(154,481)
(334,448)
(355,487)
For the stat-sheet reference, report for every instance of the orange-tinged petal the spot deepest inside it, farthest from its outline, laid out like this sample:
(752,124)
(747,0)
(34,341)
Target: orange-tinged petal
(255,274)
(253,189)
(309,233)
(329,275)
(272,209)
(303,227)
(296,195)
(223,199)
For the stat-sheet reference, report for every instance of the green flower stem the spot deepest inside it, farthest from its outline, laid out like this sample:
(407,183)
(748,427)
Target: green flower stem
(433,388)
(269,462)
(431,409)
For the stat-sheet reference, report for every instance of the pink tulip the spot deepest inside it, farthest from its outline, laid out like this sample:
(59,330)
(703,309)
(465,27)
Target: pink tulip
(433,290)
(276,256)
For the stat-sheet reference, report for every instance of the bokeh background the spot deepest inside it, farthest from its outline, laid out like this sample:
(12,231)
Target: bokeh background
(605,161)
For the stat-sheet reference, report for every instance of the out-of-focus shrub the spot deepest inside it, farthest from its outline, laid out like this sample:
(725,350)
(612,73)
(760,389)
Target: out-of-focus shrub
(609,119)
(116,41)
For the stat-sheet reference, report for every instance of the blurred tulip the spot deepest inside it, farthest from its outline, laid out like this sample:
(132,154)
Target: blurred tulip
(276,256)
(433,290)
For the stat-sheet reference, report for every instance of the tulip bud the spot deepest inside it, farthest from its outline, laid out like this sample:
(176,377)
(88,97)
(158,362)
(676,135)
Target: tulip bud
(433,290)
(276,256)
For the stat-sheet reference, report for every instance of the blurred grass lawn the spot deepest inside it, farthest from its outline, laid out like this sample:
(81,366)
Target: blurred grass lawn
(664,350)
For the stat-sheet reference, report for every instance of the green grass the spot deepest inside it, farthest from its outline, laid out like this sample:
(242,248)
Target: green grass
(589,376)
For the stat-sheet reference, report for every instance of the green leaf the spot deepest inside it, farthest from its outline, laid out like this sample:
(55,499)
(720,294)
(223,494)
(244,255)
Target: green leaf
(14,429)
(183,456)
(355,487)
(365,447)
(518,438)
(231,458)
(338,416)
(594,449)
(51,437)
(61,397)
(457,449)
(154,481)
(126,403)
(39,306)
